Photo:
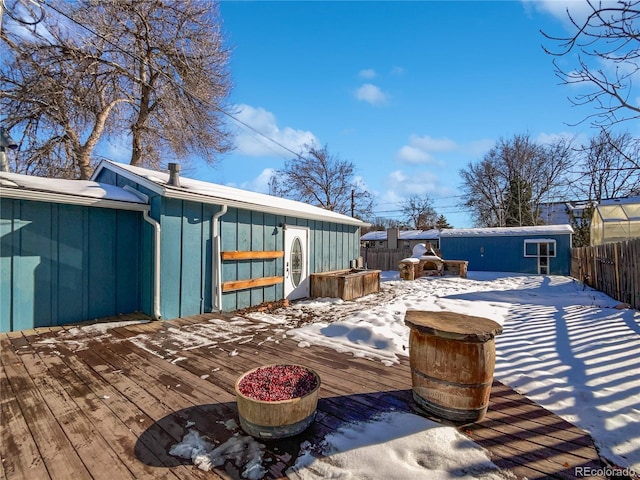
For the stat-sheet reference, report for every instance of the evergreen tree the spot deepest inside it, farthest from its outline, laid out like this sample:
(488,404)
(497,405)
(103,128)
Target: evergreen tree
(442,223)
(582,226)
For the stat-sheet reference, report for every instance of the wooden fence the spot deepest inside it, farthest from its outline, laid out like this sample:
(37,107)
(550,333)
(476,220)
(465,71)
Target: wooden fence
(612,268)
(384,258)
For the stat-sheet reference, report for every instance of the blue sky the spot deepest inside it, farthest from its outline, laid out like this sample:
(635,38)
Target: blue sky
(410,92)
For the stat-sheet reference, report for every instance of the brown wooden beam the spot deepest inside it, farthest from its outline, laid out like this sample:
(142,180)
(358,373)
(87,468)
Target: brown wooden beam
(254,282)
(252,255)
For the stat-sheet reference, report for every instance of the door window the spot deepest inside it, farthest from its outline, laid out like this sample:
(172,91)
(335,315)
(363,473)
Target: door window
(296,261)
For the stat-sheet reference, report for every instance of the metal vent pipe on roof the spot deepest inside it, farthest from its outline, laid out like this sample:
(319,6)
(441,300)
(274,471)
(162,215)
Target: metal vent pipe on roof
(174,174)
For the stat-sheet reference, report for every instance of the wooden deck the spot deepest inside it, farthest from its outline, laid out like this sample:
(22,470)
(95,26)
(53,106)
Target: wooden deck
(73,407)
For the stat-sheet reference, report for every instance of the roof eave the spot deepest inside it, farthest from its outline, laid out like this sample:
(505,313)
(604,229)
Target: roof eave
(45,196)
(180,194)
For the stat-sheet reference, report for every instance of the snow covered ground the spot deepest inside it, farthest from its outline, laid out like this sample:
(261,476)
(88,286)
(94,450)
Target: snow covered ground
(564,346)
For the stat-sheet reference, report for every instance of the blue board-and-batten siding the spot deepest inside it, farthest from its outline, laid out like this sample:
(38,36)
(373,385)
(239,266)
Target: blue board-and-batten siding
(186,261)
(246,230)
(494,253)
(66,263)
(187,264)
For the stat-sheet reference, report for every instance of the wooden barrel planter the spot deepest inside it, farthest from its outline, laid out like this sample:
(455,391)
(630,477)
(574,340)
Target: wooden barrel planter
(275,403)
(452,358)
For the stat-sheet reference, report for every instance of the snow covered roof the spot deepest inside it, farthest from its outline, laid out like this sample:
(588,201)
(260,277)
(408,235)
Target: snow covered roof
(74,192)
(206,192)
(620,201)
(433,234)
(507,231)
(558,213)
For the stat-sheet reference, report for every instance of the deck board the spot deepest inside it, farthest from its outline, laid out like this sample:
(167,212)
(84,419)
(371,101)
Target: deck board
(72,405)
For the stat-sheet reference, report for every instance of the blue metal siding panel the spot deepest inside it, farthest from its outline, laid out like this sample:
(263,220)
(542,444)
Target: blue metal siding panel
(561,265)
(127,261)
(333,246)
(102,262)
(505,253)
(279,263)
(71,264)
(229,242)
(7,253)
(317,248)
(257,266)
(207,254)
(271,231)
(62,262)
(325,265)
(191,298)
(147,267)
(107,176)
(171,222)
(345,241)
(35,274)
(312,240)
(244,267)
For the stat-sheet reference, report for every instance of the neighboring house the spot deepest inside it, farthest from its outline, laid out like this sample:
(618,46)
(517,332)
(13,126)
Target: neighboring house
(539,250)
(560,213)
(160,244)
(615,220)
(395,238)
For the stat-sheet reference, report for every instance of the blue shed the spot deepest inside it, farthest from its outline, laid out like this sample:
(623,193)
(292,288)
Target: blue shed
(544,250)
(218,248)
(69,251)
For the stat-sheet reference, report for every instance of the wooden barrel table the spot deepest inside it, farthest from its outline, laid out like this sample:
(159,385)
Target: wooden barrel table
(452,358)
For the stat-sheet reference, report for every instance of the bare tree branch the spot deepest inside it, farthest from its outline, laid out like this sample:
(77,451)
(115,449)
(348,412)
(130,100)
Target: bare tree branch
(610,36)
(154,71)
(324,180)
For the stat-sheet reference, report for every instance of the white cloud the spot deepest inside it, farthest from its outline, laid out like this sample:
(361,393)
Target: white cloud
(419,149)
(431,144)
(250,143)
(410,154)
(402,185)
(260,183)
(548,138)
(371,94)
(360,182)
(478,148)
(367,73)
(397,71)
(579,10)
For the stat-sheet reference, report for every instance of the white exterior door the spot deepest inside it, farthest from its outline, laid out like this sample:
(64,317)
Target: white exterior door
(296,262)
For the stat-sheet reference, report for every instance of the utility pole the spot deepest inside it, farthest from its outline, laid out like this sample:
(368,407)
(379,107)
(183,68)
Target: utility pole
(353,202)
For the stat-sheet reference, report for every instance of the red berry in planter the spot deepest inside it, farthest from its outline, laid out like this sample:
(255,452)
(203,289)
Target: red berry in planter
(278,382)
